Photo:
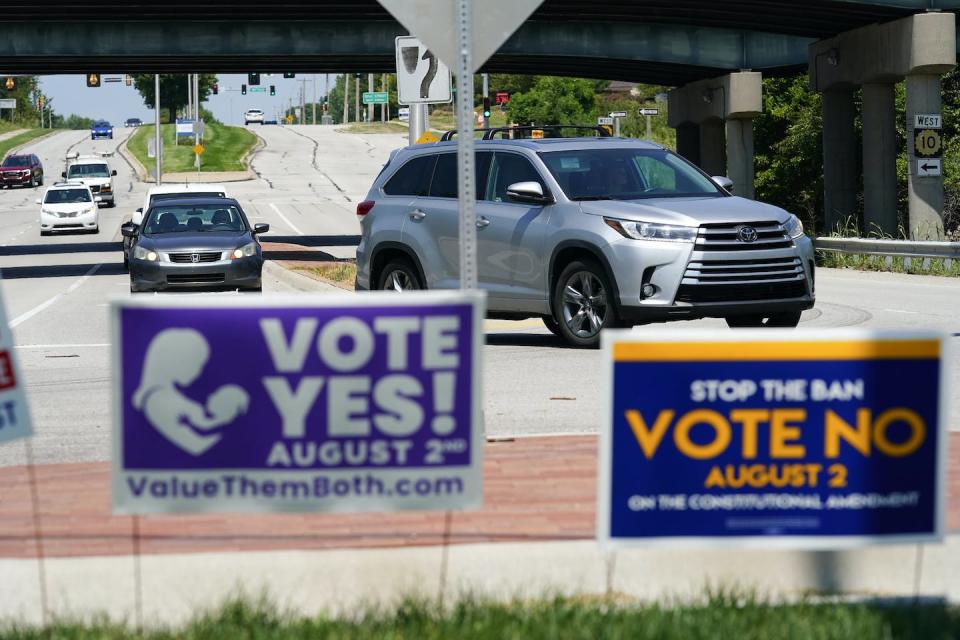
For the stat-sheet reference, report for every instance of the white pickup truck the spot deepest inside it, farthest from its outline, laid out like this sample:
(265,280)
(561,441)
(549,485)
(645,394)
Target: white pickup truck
(94,172)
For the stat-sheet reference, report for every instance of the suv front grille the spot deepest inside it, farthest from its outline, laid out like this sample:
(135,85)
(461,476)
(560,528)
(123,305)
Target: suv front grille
(205,256)
(724,237)
(195,278)
(95,188)
(744,292)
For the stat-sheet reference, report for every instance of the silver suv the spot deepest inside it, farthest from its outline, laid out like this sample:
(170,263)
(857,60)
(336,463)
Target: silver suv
(587,233)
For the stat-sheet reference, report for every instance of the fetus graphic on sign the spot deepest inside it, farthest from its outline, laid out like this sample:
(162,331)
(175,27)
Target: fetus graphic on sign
(421,77)
(175,360)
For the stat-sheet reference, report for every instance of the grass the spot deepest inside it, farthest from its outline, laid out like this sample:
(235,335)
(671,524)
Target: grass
(894,264)
(720,616)
(225,148)
(341,273)
(19,139)
(375,127)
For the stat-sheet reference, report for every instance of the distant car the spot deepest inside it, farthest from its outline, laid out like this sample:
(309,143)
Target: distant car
(101,129)
(94,172)
(195,243)
(69,206)
(133,122)
(23,170)
(269,122)
(253,115)
(170,192)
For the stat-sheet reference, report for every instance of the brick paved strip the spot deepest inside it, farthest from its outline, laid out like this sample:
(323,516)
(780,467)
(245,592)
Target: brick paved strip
(535,489)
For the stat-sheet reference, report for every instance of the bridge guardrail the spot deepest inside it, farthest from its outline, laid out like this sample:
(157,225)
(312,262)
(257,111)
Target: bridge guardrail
(890,248)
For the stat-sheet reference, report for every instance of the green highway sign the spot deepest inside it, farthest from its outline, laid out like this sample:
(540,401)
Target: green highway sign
(257,89)
(376,97)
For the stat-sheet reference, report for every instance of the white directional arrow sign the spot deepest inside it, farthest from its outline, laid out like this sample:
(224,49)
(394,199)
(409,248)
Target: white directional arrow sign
(432,21)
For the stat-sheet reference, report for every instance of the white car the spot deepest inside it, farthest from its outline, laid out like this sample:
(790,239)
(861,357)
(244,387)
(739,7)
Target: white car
(253,115)
(194,189)
(94,172)
(69,206)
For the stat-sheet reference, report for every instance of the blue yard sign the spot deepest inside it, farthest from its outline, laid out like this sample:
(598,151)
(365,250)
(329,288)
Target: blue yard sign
(313,403)
(769,438)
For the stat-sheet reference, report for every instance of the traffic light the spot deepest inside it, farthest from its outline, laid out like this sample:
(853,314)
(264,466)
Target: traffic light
(93,79)
(10,83)
(486,106)
(243,89)
(253,79)
(273,90)
(216,89)
(289,75)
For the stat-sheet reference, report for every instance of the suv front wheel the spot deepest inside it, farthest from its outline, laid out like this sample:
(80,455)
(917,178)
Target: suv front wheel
(583,303)
(399,275)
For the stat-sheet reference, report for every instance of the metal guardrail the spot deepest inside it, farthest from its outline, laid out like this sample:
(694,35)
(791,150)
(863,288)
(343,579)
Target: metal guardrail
(892,248)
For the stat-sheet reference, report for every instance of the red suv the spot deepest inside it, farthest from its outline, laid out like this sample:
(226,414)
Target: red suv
(21,170)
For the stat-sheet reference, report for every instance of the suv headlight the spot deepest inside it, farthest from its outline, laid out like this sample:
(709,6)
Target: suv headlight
(145,254)
(246,251)
(793,226)
(652,230)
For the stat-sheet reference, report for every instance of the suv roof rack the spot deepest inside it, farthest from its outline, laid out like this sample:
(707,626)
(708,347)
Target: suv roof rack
(527,132)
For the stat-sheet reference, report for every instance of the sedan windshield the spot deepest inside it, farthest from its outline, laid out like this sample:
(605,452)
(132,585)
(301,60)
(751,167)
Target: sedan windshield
(67,196)
(626,174)
(194,219)
(88,171)
(17,161)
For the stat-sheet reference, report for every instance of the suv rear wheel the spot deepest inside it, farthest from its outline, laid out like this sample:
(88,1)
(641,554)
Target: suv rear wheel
(399,275)
(583,304)
(787,320)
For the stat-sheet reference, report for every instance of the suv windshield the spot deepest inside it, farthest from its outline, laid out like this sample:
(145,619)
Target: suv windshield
(626,174)
(88,171)
(17,161)
(193,219)
(67,196)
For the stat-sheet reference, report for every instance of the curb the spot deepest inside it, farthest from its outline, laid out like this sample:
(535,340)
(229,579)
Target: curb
(143,175)
(299,281)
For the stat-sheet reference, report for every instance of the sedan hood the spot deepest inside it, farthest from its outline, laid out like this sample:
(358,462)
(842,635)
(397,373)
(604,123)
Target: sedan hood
(690,212)
(19,167)
(201,241)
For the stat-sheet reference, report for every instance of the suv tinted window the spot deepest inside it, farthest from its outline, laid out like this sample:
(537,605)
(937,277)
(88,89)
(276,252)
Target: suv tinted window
(445,184)
(412,179)
(506,169)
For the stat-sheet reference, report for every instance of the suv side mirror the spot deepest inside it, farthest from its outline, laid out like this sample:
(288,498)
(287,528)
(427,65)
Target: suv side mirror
(528,192)
(114,172)
(723,182)
(260,228)
(129,230)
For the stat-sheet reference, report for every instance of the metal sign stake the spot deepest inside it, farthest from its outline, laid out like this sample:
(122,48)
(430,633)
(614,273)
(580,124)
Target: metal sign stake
(465,146)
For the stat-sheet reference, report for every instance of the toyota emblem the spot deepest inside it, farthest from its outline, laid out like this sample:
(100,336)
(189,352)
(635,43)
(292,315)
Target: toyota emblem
(747,234)
(196,256)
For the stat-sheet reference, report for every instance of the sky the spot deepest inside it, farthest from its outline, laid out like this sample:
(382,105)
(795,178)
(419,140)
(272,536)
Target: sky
(115,102)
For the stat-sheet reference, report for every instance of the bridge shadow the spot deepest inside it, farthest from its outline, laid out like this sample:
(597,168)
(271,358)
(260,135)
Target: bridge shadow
(525,340)
(301,256)
(61,270)
(60,249)
(314,241)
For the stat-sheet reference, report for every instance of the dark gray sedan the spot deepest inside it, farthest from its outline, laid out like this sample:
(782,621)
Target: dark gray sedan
(195,243)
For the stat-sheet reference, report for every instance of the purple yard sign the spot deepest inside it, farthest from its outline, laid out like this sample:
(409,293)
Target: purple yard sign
(339,403)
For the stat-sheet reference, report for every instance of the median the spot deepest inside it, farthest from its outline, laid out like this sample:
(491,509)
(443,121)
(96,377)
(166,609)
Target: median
(225,157)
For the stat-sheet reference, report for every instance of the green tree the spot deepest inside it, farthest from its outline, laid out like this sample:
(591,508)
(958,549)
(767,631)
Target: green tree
(553,100)
(173,90)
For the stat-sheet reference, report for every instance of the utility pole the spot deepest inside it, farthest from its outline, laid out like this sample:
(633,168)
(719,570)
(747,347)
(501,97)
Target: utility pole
(356,100)
(314,98)
(385,89)
(189,113)
(159,140)
(346,93)
(196,96)
(370,106)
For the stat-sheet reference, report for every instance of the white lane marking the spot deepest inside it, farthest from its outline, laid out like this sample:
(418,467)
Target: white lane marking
(913,313)
(286,220)
(63,346)
(45,305)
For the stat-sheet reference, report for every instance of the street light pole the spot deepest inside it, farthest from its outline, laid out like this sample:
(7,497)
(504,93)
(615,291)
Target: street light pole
(156,107)
(356,99)
(346,94)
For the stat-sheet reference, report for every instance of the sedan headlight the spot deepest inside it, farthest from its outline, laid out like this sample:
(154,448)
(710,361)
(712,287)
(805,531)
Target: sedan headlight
(793,226)
(652,230)
(246,251)
(145,254)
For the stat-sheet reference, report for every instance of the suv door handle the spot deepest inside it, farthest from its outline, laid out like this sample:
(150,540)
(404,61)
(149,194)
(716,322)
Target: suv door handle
(482,222)
(416,214)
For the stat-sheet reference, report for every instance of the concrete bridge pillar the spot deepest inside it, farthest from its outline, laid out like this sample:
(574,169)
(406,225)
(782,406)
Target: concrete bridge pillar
(722,110)
(919,49)
(879,159)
